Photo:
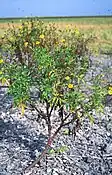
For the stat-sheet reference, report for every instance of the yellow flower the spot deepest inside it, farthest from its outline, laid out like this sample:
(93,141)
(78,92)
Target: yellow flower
(11,38)
(110,90)
(1,72)
(42,36)
(63,40)
(70,86)
(26,44)
(37,42)
(1,61)
(77,32)
(20,27)
(67,26)
(67,78)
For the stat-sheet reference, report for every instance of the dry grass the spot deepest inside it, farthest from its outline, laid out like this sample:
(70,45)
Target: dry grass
(103,31)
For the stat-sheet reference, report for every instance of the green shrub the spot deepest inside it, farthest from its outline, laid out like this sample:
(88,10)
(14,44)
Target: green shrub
(56,63)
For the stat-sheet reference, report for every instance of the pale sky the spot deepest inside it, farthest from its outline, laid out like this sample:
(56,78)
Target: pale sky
(18,8)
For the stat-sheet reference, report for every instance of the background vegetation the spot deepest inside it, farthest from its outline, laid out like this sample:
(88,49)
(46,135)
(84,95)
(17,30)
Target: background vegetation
(101,27)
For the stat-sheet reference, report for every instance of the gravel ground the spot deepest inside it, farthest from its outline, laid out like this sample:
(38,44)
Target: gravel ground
(22,140)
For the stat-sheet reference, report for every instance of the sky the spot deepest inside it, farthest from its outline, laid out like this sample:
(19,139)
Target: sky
(22,8)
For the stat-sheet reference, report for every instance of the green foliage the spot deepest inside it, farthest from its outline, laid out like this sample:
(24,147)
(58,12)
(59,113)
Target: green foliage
(20,86)
(58,150)
(54,61)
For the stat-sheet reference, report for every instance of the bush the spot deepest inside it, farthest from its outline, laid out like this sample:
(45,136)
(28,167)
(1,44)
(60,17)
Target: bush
(54,62)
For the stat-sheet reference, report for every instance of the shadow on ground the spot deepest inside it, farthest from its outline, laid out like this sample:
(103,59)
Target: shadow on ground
(17,132)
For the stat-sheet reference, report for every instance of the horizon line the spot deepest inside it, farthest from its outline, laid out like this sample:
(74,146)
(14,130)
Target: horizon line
(77,16)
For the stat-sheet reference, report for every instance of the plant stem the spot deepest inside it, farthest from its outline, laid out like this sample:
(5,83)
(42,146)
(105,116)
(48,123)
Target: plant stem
(50,139)
(49,142)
